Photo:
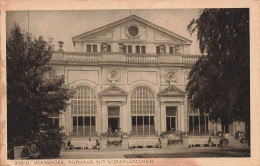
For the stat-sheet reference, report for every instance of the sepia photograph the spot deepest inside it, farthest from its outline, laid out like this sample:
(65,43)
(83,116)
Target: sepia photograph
(127,86)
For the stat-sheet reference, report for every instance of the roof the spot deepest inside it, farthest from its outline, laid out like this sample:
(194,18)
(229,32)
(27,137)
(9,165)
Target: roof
(132,17)
(171,91)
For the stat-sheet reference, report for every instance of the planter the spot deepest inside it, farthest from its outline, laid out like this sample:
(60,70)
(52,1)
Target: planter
(114,143)
(224,142)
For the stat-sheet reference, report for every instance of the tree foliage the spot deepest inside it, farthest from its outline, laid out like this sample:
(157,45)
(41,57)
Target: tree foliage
(219,83)
(34,91)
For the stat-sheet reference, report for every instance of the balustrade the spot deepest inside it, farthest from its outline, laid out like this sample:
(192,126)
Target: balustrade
(190,59)
(113,58)
(141,59)
(170,59)
(120,57)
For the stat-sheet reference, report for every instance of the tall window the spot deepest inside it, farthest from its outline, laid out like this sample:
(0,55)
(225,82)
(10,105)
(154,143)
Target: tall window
(142,111)
(137,49)
(124,48)
(171,50)
(88,48)
(198,124)
(108,48)
(91,48)
(83,111)
(171,113)
(143,49)
(129,47)
(157,49)
(140,49)
(94,48)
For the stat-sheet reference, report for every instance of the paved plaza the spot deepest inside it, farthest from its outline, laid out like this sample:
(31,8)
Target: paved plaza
(156,153)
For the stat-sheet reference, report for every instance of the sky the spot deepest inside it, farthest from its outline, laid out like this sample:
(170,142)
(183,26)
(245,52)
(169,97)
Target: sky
(63,25)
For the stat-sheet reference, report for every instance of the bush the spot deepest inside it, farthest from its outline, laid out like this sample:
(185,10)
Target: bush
(223,142)
(165,134)
(173,141)
(220,134)
(244,140)
(50,143)
(239,134)
(114,134)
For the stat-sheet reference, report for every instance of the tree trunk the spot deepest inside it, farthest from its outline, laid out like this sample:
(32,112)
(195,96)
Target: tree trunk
(247,130)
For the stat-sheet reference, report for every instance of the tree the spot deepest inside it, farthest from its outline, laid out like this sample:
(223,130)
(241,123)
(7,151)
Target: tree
(33,92)
(219,83)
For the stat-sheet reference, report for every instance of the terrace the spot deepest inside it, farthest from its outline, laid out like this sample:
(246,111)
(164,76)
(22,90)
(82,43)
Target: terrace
(124,58)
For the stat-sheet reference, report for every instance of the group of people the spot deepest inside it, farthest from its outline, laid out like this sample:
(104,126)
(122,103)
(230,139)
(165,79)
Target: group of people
(90,144)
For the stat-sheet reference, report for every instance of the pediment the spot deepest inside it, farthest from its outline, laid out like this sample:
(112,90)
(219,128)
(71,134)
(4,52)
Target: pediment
(101,35)
(113,90)
(104,32)
(171,91)
(160,37)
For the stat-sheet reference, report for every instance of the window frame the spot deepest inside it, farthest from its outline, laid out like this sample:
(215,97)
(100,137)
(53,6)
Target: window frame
(83,104)
(157,49)
(89,47)
(142,104)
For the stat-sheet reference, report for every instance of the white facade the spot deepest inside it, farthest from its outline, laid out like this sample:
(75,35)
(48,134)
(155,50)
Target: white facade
(130,74)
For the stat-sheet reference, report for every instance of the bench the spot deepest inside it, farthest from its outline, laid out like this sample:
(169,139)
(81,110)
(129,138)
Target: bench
(143,144)
(82,144)
(201,142)
(26,152)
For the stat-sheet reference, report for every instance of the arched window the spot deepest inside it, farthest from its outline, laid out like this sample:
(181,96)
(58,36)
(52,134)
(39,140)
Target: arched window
(142,111)
(83,111)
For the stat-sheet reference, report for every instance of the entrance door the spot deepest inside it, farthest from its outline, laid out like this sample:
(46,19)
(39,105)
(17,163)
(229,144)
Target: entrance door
(171,118)
(113,118)
(171,121)
(113,124)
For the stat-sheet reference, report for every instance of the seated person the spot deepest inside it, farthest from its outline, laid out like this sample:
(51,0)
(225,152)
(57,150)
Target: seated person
(90,143)
(70,146)
(30,150)
(159,143)
(97,146)
(210,142)
(35,152)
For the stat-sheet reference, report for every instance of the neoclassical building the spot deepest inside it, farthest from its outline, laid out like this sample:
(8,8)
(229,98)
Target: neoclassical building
(130,75)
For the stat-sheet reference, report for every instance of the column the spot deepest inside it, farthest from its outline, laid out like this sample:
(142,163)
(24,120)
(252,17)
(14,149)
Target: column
(67,121)
(99,47)
(98,119)
(179,118)
(182,121)
(104,118)
(163,116)
(121,120)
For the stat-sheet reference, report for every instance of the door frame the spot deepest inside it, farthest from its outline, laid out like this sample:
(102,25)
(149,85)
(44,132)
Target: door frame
(118,116)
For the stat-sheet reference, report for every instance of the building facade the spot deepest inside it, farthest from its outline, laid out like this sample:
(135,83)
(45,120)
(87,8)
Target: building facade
(130,75)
